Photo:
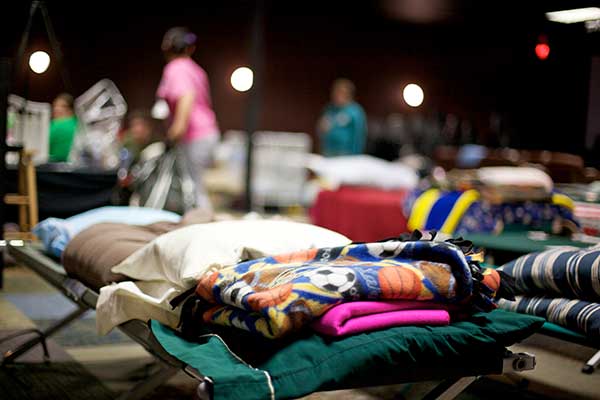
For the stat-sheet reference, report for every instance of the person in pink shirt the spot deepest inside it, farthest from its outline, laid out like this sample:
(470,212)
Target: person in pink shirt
(193,126)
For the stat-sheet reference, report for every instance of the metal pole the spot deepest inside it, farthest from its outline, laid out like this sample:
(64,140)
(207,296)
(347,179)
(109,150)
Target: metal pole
(4,88)
(254,100)
(55,45)
(25,37)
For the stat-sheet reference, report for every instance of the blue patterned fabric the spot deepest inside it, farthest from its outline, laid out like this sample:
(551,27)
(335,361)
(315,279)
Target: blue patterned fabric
(561,272)
(561,285)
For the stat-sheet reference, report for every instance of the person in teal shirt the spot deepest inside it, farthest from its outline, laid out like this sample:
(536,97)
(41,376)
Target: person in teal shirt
(62,128)
(343,126)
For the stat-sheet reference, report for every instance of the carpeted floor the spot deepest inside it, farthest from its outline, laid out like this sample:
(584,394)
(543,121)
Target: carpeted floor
(45,309)
(57,380)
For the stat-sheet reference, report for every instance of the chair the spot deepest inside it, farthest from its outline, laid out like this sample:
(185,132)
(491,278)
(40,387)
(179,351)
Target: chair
(501,157)
(445,156)
(566,168)
(26,198)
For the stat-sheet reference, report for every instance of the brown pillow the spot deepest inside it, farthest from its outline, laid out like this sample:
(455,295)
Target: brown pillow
(91,254)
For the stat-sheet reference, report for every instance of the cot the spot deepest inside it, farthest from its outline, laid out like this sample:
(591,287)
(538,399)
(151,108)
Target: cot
(510,245)
(457,353)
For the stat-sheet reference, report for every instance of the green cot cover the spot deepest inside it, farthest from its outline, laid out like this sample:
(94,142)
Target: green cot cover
(520,242)
(311,362)
(563,333)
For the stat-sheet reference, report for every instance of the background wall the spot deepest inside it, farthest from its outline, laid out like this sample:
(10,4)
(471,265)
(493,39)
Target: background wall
(469,60)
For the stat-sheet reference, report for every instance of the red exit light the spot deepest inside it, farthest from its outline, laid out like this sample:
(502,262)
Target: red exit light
(542,51)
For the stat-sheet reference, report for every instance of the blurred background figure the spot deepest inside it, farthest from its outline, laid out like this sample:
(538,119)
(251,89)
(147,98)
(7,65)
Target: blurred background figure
(139,134)
(63,127)
(343,127)
(193,126)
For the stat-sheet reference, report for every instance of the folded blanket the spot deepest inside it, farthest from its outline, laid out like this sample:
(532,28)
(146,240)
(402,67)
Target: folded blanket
(275,296)
(562,272)
(577,315)
(365,316)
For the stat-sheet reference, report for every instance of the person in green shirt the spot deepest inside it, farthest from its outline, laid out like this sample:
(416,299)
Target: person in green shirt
(62,128)
(343,125)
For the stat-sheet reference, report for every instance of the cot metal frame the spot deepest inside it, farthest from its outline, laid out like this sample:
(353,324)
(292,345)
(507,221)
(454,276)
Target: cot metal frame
(32,256)
(591,364)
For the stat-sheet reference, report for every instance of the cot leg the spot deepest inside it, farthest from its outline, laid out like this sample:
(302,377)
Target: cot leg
(450,388)
(591,364)
(11,355)
(145,387)
(204,391)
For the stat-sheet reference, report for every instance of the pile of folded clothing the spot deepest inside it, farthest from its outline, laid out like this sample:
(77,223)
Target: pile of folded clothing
(276,278)
(344,290)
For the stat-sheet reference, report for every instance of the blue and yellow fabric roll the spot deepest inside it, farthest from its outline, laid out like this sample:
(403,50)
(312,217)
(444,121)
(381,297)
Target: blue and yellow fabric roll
(462,212)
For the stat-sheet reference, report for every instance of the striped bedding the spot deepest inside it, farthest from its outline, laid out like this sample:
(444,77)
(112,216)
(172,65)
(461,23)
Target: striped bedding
(561,285)
(562,272)
(578,315)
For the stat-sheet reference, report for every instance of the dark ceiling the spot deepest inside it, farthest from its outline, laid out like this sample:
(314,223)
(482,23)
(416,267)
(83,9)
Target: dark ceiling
(474,57)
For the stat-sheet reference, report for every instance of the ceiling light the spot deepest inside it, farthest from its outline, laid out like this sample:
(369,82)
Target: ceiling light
(242,79)
(574,15)
(39,62)
(413,95)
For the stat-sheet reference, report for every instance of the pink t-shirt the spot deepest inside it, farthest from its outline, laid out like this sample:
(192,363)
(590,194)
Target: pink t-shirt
(180,77)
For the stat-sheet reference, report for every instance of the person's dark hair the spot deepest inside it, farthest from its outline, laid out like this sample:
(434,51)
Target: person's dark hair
(140,114)
(67,98)
(178,40)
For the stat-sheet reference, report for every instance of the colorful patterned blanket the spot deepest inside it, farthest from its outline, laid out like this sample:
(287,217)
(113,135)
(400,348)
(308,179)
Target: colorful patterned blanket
(276,296)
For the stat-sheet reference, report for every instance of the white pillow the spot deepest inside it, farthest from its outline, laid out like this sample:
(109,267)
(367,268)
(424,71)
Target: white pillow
(363,170)
(184,255)
(518,176)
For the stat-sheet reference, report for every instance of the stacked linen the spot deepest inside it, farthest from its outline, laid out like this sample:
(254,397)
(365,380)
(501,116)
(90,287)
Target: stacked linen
(561,285)
(279,295)
(490,200)
(173,262)
(364,316)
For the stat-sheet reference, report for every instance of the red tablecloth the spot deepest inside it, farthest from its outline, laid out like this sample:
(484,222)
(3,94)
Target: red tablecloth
(363,214)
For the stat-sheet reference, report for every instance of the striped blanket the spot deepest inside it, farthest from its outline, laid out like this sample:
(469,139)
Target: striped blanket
(561,272)
(278,295)
(561,285)
(578,315)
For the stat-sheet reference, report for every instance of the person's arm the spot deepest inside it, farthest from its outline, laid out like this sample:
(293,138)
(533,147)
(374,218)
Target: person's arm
(181,119)
(324,124)
(360,131)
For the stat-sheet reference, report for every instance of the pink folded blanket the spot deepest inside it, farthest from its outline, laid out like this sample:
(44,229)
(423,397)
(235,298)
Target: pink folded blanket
(364,316)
